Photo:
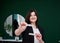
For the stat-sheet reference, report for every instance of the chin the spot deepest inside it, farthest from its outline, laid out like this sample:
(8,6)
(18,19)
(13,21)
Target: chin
(33,21)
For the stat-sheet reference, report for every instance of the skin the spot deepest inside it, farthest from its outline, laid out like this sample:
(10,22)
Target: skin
(22,27)
(33,19)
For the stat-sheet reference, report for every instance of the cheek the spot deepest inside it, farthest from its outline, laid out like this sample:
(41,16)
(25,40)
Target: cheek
(36,18)
(30,18)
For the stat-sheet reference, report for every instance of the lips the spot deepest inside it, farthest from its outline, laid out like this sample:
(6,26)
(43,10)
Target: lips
(33,18)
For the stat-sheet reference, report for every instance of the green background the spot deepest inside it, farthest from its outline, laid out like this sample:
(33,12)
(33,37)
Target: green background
(48,11)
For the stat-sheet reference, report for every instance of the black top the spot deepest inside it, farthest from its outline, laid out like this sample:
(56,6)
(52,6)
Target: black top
(30,38)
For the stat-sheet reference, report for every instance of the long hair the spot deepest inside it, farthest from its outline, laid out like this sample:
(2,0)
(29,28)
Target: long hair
(27,19)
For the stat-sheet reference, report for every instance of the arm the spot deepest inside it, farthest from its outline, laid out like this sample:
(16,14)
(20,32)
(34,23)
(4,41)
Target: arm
(20,29)
(41,41)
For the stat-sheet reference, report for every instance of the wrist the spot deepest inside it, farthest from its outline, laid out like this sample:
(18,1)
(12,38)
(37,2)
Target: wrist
(41,41)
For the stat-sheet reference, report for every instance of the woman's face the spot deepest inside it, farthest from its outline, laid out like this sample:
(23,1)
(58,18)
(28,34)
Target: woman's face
(33,17)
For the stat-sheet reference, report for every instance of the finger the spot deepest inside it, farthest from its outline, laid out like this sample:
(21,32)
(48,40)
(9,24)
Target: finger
(23,24)
(39,35)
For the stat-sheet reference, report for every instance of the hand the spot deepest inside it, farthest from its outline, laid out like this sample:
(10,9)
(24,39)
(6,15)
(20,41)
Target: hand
(38,36)
(23,26)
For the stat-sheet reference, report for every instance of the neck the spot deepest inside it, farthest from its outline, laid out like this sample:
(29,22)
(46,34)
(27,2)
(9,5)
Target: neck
(33,24)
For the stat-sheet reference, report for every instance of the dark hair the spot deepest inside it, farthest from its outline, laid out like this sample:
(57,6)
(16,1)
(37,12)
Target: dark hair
(27,19)
(15,26)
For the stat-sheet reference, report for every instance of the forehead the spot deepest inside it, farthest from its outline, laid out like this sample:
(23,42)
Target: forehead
(32,13)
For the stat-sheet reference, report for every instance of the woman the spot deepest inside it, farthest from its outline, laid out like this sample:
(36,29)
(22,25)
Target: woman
(30,30)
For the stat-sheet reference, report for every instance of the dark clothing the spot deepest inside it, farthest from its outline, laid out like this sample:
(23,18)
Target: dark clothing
(30,38)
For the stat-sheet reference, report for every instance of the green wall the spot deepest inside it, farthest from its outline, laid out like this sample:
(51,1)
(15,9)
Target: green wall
(48,11)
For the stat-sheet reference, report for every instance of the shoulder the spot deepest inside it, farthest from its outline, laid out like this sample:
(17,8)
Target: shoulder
(28,26)
(40,28)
